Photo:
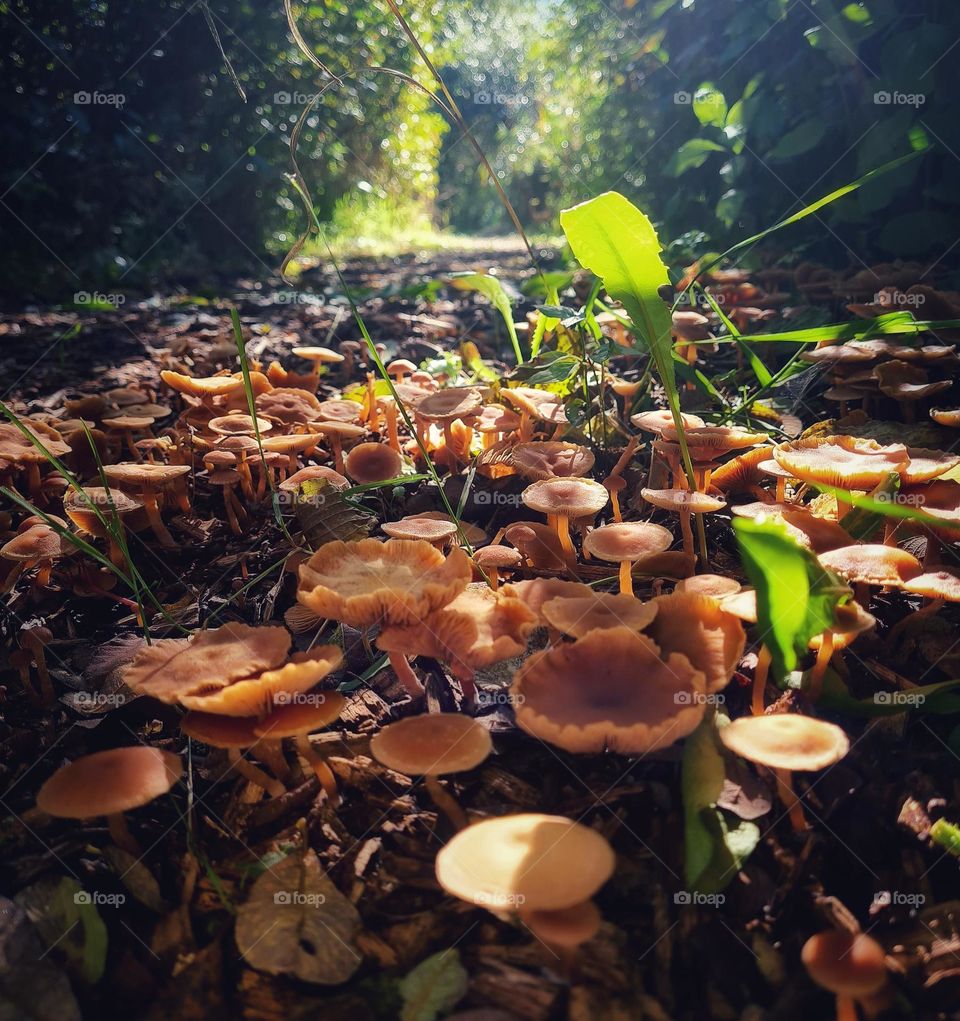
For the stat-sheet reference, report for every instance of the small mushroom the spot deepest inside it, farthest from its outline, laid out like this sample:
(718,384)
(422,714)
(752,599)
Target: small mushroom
(871,564)
(430,746)
(684,502)
(233,734)
(437,531)
(852,966)
(625,543)
(563,499)
(786,743)
(491,560)
(336,433)
(149,480)
(108,784)
(373,462)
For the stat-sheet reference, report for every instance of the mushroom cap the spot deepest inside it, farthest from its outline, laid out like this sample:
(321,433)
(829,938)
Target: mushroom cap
(846,462)
(572,498)
(938,499)
(236,424)
(288,404)
(373,462)
(38,542)
(698,626)
(716,585)
(311,473)
(124,422)
(551,459)
(816,533)
(926,465)
(717,439)
(938,584)
(201,386)
(498,557)
(298,718)
(538,543)
(220,731)
(109,782)
(845,963)
(290,443)
(741,473)
(338,430)
(398,581)
(476,629)
(495,418)
(786,741)
(145,474)
(472,533)
(261,694)
(77,507)
(432,530)
(683,500)
(839,354)
(577,615)
(320,355)
(609,689)
(872,564)
(211,659)
(338,411)
(401,365)
(450,404)
(657,421)
(850,620)
(432,745)
(567,927)
(906,382)
(769,467)
(534,592)
(949,417)
(17,448)
(627,541)
(534,861)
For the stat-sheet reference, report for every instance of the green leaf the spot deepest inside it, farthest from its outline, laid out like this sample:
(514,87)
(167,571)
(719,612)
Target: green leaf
(709,106)
(947,835)
(931,699)
(796,597)
(801,139)
(434,986)
(491,288)
(691,154)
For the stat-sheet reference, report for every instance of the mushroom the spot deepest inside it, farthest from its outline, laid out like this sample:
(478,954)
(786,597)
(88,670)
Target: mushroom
(108,784)
(287,404)
(35,638)
(852,966)
(871,564)
(850,620)
(684,502)
(336,433)
(560,698)
(551,459)
(540,545)
(430,746)
(400,368)
(444,408)
(236,424)
(204,387)
(494,422)
(786,743)
(318,357)
(233,734)
(579,614)
(373,462)
(562,499)
(300,718)
(544,867)
(311,473)
(657,421)
(37,546)
(625,543)
(229,479)
(437,531)
(338,411)
(291,445)
(88,509)
(491,560)
(148,480)
(18,449)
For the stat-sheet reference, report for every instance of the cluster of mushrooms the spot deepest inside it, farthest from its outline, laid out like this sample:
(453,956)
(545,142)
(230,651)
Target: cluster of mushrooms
(439,588)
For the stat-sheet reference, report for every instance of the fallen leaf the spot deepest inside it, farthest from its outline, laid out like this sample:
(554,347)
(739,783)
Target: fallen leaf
(433,987)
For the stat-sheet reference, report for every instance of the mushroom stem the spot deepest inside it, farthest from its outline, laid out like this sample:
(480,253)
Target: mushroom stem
(563,534)
(615,504)
(393,435)
(405,674)
(270,753)
(337,448)
(626,578)
(824,655)
(149,498)
(253,774)
(121,835)
(687,533)
(861,592)
(319,766)
(781,489)
(846,1008)
(790,800)
(446,803)
(492,576)
(450,444)
(760,680)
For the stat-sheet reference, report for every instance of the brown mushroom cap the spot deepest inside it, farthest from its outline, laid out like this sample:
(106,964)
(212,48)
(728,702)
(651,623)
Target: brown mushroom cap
(38,542)
(109,504)
(906,382)
(786,741)
(260,694)
(288,404)
(432,745)
(201,386)
(220,731)
(816,533)
(845,963)
(574,498)
(174,667)
(715,439)
(839,354)
(109,782)
(872,564)
(311,473)
(637,702)
(318,355)
(495,418)
(304,717)
(497,557)
(145,474)
(627,541)
(534,592)
(473,534)
(399,581)
(338,411)
(716,585)
(568,927)
(450,404)
(539,543)
(401,367)
(846,462)
(577,615)
(373,462)
(949,417)
(551,459)
(698,627)
(17,448)
(925,465)
(432,530)
(657,421)
(940,584)
(533,861)
(236,424)
(291,443)
(740,474)
(683,500)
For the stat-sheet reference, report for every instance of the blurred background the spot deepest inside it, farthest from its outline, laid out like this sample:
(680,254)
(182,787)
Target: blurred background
(131,159)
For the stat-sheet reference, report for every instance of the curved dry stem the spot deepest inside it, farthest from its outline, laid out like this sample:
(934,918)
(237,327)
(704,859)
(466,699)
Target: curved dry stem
(319,766)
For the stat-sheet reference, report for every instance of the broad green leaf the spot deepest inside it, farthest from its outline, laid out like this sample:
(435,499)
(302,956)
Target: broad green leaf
(618,243)
(892,323)
(434,986)
(796,597)
(491,288)
(801,139)
(691,154)
(709,106)
(931,699)
(947,835)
